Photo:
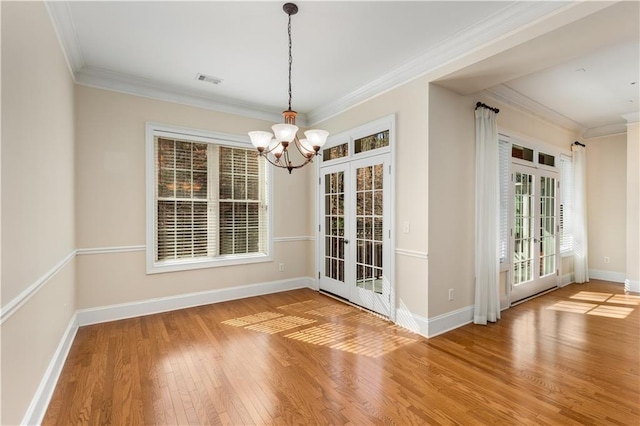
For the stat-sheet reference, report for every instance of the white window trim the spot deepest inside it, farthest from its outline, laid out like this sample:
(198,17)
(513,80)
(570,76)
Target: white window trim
(152,267)
(350,136)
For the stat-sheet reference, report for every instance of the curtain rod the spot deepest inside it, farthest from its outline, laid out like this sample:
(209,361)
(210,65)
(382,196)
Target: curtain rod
(578,143)
(483,105)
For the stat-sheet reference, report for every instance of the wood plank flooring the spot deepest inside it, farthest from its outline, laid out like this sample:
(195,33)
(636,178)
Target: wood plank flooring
(568,357)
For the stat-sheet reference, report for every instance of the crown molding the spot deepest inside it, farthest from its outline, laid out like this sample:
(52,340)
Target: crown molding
(508,19)
(103,79)
(632,117)
(515,16)
(62,21)
(608,130)
(506,95)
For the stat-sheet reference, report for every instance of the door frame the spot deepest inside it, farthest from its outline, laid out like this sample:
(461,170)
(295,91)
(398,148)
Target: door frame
(348,137)
(539,286)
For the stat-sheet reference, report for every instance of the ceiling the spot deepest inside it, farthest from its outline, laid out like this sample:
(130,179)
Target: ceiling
(347,52)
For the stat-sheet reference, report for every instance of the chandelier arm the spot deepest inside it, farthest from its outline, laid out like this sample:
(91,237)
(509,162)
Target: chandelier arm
(279,164)
(301,149)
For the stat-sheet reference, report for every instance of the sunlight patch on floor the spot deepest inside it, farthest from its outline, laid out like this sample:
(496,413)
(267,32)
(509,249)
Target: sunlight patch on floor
(605,304)
(611,311)
(252,319)
(372,344)
(332,310)
(280,324)
(324,334)
(591,296)
(575,307)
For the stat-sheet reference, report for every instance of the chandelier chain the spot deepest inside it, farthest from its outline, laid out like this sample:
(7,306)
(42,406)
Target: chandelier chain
(290,60)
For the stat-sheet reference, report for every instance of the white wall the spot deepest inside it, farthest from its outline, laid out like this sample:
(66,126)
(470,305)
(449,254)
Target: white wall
(37,202)
(110,203)
(451,200)
(606,206)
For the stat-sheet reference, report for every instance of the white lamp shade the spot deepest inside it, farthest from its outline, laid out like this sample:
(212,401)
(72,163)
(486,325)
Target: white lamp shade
(276,148)
(306,146)
(260,139)
(317,137)
(284,132)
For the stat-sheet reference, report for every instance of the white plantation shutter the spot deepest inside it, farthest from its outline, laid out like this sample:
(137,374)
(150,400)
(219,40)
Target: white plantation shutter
(504,162)
(210,201)
(566,204)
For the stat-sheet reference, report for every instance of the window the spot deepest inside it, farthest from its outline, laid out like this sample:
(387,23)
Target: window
(375,141)
(566,204)
(207,201)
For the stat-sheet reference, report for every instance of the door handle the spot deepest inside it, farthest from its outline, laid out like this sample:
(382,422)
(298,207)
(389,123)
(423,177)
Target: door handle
(345,241)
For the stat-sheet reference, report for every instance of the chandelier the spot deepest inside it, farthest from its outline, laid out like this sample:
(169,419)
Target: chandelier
(275,146)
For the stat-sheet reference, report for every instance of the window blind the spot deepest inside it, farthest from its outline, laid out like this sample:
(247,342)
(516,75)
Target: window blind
(566,204)
(210,201)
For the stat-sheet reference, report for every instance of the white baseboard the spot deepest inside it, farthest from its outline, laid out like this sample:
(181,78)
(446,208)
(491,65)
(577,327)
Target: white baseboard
(38,407)
(412,322)
(616,277)
(449,321)
(165,304)
(432,327)
(631,285)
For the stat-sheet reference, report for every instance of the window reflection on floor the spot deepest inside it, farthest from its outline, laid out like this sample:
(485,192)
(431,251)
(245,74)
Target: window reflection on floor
(367,335)
(602,304)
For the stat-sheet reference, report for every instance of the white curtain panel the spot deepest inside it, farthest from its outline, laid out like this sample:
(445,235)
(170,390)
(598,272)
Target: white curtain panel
(580,245)
(487,259)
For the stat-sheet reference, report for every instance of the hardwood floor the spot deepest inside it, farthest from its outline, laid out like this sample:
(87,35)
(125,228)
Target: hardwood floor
(568,357)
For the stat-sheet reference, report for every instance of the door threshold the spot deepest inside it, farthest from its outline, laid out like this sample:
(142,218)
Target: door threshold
(533,296)
(362,308)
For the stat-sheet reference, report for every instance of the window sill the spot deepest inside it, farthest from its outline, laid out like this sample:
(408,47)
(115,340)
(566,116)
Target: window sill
(202,263)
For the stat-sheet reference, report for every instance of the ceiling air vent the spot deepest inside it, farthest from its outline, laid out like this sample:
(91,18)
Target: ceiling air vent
(208,78)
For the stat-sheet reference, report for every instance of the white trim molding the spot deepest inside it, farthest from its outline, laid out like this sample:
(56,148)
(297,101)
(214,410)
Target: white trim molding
(40,401)
(451,320)
(106,250)
(293,239)
(632,286)
(123,83)
(616,277)
(412,253)
(181,301)
(413,322)
(10,308)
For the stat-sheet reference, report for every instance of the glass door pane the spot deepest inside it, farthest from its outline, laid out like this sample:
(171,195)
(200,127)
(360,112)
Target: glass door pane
(369,227)
(547,226)
(523,233)
(334,225)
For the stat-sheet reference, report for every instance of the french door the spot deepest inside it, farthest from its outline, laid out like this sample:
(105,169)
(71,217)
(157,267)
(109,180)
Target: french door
(535,238)
(354,224)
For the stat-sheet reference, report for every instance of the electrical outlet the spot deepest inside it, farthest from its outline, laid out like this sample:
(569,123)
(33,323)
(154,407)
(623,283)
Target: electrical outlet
(281,267)
(450,294)
(606,259)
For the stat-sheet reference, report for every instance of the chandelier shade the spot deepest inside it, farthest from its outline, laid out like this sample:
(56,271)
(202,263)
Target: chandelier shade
(275,146)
